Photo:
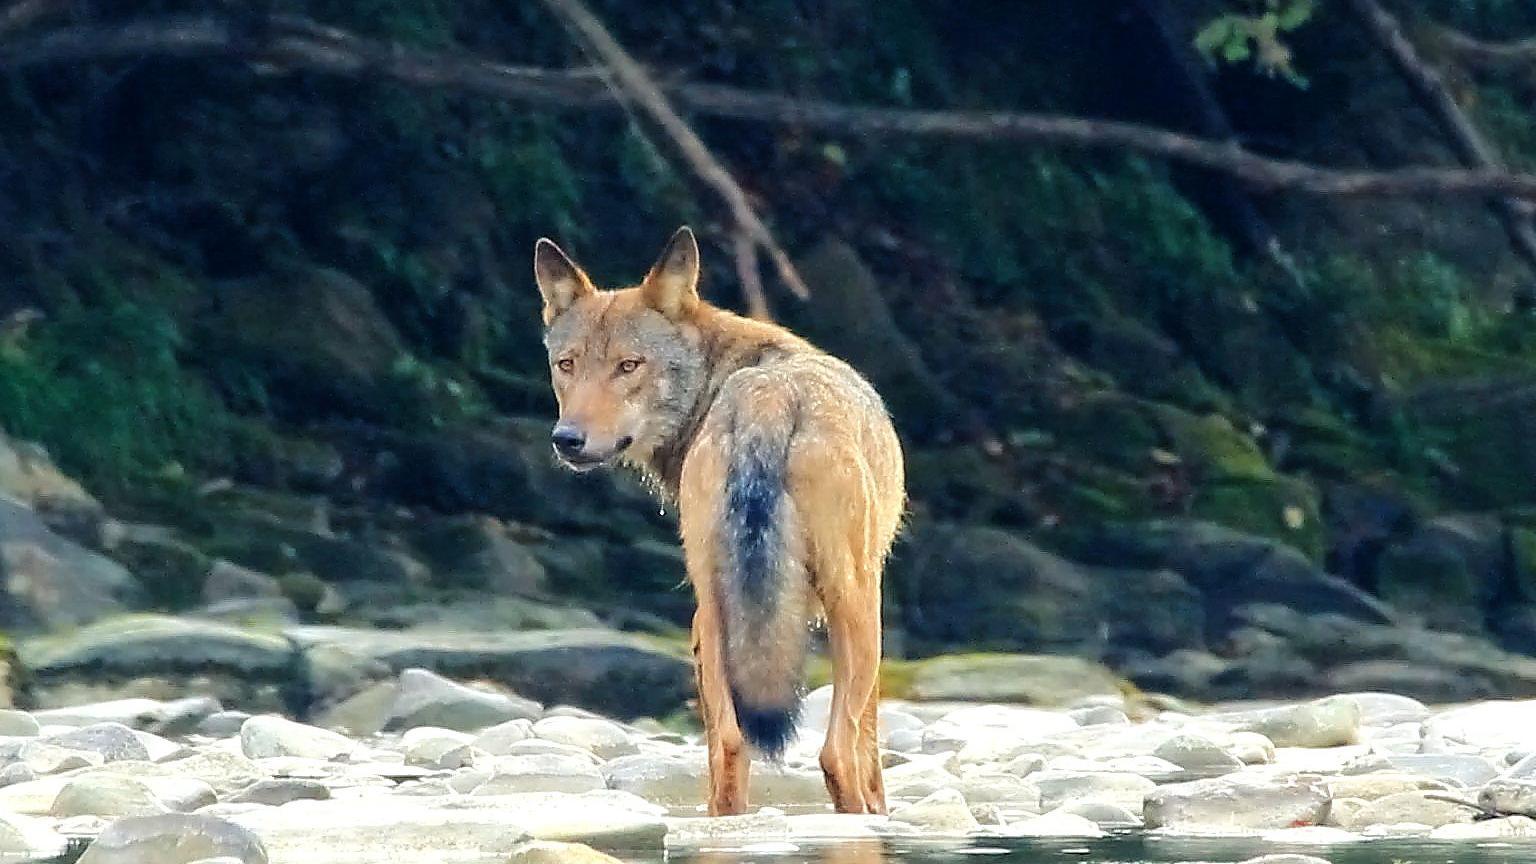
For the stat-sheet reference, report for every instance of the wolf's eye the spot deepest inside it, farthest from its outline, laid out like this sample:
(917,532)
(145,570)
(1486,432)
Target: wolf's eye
(628,366)
(565,364)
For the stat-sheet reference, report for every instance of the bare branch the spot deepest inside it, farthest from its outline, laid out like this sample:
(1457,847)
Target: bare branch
(304,46)
(24,13)
(1471,147)
(1488,55)
(637,84)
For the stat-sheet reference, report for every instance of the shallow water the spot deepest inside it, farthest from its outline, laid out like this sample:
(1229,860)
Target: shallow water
(1128,848)
(1120,849)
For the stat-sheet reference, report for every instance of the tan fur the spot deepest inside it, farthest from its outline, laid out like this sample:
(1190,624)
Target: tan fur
(843,478)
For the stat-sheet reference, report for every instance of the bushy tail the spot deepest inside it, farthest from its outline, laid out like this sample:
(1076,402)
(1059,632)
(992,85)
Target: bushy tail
(764,590)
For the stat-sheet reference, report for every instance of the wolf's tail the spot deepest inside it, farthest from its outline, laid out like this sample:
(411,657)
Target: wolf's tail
(764,587)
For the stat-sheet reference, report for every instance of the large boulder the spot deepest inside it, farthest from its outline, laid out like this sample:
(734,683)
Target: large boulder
(178,838)
(318,332)
(1020,678)
(1446,572)
(28,475)
(240,666)
(1231,569)
(598,669)
(975,586)
(49,582)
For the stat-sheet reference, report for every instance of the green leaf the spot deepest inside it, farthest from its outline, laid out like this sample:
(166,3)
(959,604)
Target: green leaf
(1215,35)
(1296,14)
(1236,51)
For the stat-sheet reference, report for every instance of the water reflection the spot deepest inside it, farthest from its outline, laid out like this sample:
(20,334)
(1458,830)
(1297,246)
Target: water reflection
(1120,849)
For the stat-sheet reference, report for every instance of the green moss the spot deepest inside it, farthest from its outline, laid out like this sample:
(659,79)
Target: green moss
(305,590)
(1283,508)
(1212,448)
(112,418)
(1116,430)
(1432,584)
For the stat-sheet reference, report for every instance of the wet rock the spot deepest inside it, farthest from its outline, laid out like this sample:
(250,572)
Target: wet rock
(1507,828)
(1236,802)
(734,830)
(1057,823)
(1045,680)
(606,739)
(160,646)
(379,830)
(431,747)
(26,839)
(277,792)
(268,735)
(1379,785)
(1330,722)
(178,838)
(1058,788)
(981,584)
(678,779)
(497,739)
(110,741)
(549,852)
(1102,814)
(943,812)
(611,672)
(50,582)
(1198,754)
(40,758)
(223,724)
(517,774)
(427,699)
(164,717)
(1418,808)
(17,724)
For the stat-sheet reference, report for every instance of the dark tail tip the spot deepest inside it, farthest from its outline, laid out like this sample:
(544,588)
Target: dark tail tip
(768,730)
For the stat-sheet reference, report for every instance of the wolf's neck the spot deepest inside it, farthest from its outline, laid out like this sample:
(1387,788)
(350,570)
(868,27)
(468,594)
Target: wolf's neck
(729,344)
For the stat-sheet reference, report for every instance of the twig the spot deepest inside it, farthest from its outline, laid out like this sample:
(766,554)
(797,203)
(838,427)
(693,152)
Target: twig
(637,83)
(747,274)
(341,53)
(1492,55)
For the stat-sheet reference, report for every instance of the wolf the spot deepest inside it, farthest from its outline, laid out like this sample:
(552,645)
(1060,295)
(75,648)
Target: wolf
(788,479)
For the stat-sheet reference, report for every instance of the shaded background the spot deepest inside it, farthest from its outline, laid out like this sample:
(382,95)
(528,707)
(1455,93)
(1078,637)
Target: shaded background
(273,335)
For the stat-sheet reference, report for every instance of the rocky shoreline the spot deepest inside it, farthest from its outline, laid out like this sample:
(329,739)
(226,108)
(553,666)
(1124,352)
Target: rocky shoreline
(465,773)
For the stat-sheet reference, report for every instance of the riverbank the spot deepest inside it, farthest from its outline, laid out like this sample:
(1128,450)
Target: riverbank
(457,773)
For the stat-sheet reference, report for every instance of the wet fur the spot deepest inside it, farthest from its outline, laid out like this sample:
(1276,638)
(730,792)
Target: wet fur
(788,479)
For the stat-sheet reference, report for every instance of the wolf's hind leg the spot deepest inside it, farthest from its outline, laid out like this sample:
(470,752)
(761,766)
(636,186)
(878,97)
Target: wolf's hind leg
(853,629)
(728,759)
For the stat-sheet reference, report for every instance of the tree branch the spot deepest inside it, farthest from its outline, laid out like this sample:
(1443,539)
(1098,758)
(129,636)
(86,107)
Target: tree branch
(23,13)
(1471,147)
(1489,55)
(637,84)
(300,45)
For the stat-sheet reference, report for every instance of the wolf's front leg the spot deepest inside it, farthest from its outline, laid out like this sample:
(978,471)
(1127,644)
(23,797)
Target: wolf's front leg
(728,760)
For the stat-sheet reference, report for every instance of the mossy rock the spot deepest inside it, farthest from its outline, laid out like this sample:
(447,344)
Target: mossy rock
(1047,680)
(1432,583)
(1212,447)
(959,483)
(1485,426)
(1281,508)
(172,572)
(1114,429)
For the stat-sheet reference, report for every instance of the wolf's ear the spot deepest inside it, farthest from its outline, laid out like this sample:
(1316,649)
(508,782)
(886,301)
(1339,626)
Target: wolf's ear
(672,286)
(560,281)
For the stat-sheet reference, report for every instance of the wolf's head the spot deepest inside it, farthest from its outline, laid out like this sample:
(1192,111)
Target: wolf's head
(626,365)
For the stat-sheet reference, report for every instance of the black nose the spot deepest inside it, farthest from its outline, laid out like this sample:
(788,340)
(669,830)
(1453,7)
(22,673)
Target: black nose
(568,441)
